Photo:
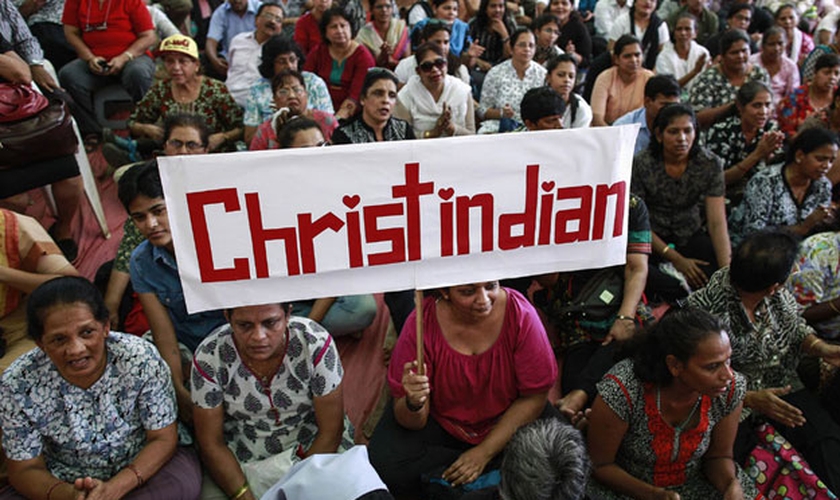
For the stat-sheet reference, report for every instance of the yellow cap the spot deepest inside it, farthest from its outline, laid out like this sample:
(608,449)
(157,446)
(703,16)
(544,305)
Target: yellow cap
(179,43)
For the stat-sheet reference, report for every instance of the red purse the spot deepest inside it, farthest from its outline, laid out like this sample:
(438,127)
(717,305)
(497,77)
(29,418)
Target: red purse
(33,128)
(19,101)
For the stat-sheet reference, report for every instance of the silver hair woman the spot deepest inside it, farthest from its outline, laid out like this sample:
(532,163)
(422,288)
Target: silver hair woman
(545,460)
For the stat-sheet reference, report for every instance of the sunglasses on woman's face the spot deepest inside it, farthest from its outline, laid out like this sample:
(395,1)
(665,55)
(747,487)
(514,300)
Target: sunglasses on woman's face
(427,66)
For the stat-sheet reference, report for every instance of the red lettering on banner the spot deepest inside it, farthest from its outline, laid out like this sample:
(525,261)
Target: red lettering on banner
(528,218)
(463,205)
(308,231)
(412,190)
(394,235)
(544,220)
(354,240)
(602,192)
(546,208)
(446,227)
(204,254)
(581,214)
(260,235)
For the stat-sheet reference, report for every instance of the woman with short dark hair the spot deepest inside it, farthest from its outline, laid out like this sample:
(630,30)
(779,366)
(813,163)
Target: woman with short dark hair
(436,104)
(713,92)
(90,413)
(281,53)
(747,139)
(375,122)
(341,61)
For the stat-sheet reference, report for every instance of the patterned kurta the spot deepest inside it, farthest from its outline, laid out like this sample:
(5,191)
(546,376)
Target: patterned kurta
(767,352)
(768,202)
(816,276)
(503,86)
(358,132)
(86,432)
(726,139)
(214,103)
(712,89)
(794,110)
(674,204)
(263,421)
(646,450)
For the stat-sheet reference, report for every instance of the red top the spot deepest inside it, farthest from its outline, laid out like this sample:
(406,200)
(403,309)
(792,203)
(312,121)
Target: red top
(108,29)
(307,33)
(470,393)
(343,83)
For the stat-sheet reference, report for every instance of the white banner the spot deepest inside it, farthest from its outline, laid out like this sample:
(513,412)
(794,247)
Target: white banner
(270,226)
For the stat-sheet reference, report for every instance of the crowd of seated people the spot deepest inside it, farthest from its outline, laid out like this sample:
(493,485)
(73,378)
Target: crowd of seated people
(725,337)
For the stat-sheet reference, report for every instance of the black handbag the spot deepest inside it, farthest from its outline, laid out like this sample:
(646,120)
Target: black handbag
(598,300)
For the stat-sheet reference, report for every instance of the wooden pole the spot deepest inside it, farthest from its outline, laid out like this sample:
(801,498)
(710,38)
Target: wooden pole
(418,309)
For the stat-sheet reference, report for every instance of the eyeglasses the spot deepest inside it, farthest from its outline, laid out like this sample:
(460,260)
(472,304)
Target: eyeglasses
(191,145)
(272,17)
(525,45)
(552,31)
(427,66)
(286,91)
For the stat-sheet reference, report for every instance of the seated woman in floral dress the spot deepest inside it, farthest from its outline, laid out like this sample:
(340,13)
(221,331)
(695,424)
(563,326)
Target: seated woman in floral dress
(90,413)
(667,418)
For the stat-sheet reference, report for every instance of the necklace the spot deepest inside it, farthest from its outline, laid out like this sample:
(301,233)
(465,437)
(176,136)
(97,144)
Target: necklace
(678,429)
(97,27)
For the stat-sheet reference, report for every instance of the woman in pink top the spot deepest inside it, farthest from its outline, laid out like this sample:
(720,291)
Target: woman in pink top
(784,75)
(621,88)
(488,368)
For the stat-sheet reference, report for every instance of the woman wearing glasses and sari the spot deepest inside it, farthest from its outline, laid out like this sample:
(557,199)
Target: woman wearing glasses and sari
(111,39)
(290,100)
(435,103)
(187,91)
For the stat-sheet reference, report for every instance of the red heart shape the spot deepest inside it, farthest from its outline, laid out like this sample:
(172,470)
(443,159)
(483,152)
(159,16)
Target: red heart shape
(548,186)
(446,193)
(351,201)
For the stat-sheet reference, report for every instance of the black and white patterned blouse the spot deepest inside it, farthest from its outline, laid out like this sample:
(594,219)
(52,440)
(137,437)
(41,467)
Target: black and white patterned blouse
(726,139)
(261,421)
(712,89)
(358,132)
(769,202)
(767,352)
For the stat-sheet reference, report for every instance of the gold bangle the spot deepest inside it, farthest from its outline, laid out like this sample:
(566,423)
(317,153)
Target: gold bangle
(833,307)
(814,342)
(241,491)
(129,55)
(665,250)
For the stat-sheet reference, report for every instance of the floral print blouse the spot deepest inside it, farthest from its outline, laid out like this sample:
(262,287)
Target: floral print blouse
(264,420)
(86,432)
